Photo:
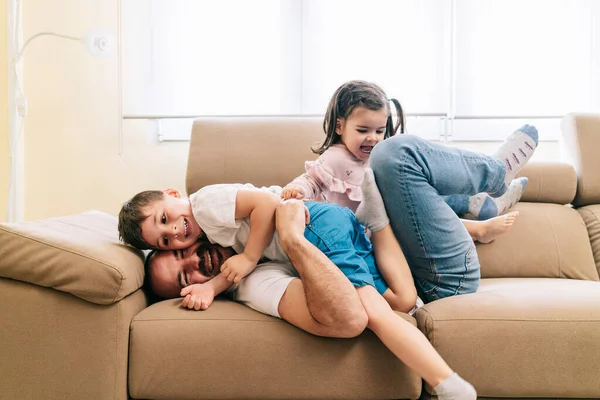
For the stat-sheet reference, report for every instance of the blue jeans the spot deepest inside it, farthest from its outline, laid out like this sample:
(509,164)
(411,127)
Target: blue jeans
(412,175)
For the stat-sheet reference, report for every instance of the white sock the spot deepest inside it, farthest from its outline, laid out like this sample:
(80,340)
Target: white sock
(512,195)
(455,388)
(371,211)
(418,305)
(484,207)
(517,149)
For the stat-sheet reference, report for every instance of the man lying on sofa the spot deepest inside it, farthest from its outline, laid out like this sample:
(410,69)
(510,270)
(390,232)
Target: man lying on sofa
(318,298)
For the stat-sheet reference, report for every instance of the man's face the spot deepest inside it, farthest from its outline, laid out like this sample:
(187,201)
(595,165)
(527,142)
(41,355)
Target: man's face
(171,271)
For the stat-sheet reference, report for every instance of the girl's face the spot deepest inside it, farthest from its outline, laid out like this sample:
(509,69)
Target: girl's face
(362,130)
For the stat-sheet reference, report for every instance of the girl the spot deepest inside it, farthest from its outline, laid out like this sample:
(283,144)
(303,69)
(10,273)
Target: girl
(336,176)
(358,117)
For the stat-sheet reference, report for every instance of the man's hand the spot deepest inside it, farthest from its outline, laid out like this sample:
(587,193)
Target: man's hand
(292,192)
(237,267)
(198,296)
(291,218)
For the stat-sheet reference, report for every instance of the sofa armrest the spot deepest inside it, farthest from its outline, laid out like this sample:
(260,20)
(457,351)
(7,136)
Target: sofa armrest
(57,346)
(79,254)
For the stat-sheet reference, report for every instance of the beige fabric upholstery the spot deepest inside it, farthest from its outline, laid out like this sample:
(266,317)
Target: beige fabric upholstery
(261,151)
(232,352)
(521,337)
(546,241)
(549,182)
(591,217)
(580,144)
(271,151)
(54,345)
(79,254)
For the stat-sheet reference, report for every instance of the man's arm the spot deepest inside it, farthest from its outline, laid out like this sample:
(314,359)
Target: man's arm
(323,302)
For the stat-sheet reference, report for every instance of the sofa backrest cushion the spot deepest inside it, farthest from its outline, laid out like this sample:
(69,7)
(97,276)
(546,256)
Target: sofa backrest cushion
(591,217)
(269,151)
(546,241)
(262,151)
(79,254)
(549,182)
(580,146)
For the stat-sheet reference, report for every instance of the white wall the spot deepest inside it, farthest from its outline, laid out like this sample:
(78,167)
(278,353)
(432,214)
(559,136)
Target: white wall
(4,158)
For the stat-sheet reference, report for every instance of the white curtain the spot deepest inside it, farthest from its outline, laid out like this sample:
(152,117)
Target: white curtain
(468,68)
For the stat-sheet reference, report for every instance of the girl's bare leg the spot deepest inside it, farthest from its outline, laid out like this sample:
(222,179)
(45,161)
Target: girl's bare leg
(412,347)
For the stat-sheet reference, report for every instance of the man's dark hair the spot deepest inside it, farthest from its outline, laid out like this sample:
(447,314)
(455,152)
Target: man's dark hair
(132,215)
(151,296)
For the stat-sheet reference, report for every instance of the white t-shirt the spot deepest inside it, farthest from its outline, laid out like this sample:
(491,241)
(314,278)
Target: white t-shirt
(214,210)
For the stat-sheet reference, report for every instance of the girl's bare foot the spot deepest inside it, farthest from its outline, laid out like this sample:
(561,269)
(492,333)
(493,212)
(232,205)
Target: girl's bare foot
(492,228)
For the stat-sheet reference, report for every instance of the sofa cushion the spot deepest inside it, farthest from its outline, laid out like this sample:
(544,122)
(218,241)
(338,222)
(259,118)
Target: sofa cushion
(79,254)
(549,182)
(521,337)
(591,217)
(263,151)
(579,145)
(232,352)
(546,241)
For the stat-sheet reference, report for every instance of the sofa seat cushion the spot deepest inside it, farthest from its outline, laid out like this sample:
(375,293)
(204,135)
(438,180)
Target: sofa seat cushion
(521,337)
(79,254)
(231,351)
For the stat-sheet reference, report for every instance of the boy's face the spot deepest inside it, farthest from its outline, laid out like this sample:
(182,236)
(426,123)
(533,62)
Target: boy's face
(170,224)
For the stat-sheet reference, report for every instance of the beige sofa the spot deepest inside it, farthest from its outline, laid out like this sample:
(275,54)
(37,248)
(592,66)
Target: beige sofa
(75,324)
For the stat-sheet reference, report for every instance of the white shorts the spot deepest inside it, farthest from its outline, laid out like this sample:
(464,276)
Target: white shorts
(263,289)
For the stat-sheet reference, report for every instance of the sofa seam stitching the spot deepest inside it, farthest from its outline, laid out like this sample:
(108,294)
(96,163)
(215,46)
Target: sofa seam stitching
(556,247)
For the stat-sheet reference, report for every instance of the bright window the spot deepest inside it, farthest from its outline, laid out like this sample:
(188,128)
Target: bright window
(469,69)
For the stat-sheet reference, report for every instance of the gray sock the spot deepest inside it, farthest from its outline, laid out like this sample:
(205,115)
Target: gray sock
(455,388)
(371,211)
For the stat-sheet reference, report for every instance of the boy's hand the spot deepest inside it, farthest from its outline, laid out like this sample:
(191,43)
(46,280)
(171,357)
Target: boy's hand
(237,267)
(292,192)
(198,296)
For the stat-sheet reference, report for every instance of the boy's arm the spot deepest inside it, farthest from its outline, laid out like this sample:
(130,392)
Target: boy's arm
(201,295)
(260,207)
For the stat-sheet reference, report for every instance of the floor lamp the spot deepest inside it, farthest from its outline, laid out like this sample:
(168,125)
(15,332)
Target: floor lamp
(99,42)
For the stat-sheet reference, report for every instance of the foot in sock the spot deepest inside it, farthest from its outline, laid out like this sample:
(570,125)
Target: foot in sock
(516,150)
(492,228)
(371,211)
(455,388)
(512,195)
(482,206)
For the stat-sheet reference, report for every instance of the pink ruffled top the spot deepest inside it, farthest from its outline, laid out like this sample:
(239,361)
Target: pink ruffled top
(334,177)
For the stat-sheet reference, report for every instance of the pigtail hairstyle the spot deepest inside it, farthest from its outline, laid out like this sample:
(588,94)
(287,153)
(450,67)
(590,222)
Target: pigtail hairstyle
(401,120)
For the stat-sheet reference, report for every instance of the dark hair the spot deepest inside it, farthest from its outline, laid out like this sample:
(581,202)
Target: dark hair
(151,296)
(354,94)
(132,215)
